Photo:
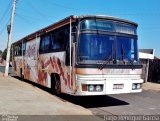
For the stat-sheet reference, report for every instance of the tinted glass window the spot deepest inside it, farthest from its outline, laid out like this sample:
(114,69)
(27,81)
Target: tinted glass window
(45,43)
(60,39)
(24,48)
(122,28)
(127,49)
(57,41)
(97,24)
(113,26)
(93,47)
(18,50)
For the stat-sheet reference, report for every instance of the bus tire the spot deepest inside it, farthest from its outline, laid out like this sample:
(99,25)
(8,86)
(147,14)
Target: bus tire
(21,74)
(56,84)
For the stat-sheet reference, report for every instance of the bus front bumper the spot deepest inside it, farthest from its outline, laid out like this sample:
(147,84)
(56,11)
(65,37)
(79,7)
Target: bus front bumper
(105,85)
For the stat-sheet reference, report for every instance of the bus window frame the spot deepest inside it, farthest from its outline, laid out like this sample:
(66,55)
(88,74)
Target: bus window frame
(114,22)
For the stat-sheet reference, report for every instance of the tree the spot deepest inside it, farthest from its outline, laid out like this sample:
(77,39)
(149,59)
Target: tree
(4,54)
(1,52)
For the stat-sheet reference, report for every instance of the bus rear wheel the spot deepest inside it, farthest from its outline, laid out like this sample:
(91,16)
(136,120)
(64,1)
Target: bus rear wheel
(56,84)
(21,74)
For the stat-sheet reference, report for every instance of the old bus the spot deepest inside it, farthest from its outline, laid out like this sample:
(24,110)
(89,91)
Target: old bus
(82,55)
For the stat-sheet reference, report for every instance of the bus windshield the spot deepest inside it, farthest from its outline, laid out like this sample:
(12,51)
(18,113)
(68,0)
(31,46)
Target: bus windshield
(126,49)
(94,48)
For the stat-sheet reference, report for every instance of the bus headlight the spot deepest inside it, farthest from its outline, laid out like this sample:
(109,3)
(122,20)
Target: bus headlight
(91,88)
(98,88)
(134,86)
(138,86)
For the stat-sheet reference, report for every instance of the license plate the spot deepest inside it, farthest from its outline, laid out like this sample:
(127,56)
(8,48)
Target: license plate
(118,86)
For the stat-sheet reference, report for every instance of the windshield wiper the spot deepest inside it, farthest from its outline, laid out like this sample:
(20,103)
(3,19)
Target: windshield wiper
(123,54)
(132,65)
(107,60)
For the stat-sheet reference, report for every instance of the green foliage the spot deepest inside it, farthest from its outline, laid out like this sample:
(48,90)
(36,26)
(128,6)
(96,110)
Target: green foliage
(4,54)
(1,52)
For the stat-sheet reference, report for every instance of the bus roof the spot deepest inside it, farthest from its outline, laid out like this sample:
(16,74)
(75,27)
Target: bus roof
(107,18)
(66,21)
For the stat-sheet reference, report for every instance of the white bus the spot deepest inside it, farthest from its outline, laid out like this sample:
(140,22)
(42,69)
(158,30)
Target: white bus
(82,55)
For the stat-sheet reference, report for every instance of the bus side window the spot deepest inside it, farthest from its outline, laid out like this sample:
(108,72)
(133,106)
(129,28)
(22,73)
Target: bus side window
(19,50)
(24,48)
(14,50)
(44,44)
(58,40)
(55,41)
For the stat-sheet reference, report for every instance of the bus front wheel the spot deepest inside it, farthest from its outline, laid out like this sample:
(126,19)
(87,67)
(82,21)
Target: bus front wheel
(21,74)
(56,85)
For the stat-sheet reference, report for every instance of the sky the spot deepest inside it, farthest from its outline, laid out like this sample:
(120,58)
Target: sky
(32,15)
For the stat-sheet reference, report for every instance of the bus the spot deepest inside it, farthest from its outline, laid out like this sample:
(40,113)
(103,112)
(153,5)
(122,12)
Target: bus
(82,56)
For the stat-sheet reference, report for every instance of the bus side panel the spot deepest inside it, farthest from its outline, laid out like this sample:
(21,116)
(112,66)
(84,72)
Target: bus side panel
(17,65)
(54,63)
(30,60)
(39,67)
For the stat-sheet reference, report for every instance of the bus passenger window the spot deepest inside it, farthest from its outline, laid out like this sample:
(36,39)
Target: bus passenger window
(57,39)
(45,42)
(55,44)
(24,48)
(60,39)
